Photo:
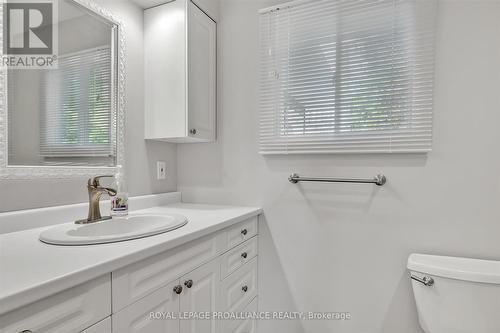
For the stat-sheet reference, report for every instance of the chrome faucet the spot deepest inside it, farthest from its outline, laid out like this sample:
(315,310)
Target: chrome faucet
(95,192)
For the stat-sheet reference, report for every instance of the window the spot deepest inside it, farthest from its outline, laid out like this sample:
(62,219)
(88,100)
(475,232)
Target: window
(77,109)
(347,76)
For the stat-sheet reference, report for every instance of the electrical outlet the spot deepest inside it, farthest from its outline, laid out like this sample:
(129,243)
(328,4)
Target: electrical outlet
(161,170)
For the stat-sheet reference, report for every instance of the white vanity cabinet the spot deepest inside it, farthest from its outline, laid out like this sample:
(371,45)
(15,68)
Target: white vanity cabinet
(103,326)
(200,294)
(195,292)
(217,273)
(70,311)
(180,73)
(247,325)
(136,318)
(212,274)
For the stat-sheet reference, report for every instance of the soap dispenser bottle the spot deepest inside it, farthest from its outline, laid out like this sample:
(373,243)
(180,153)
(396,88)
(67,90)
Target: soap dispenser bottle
(119,203)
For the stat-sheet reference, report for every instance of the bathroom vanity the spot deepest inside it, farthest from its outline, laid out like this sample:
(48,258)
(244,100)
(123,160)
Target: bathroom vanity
(143,285)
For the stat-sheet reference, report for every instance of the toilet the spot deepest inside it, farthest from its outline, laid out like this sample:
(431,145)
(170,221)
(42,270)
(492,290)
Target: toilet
(456,295)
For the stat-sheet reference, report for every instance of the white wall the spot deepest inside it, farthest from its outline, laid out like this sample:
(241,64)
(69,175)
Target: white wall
(344,247)
(211,7)
(141,156)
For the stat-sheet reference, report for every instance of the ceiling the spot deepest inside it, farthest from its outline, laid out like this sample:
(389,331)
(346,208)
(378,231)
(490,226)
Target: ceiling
(69,10)
(150,3)
(211,7)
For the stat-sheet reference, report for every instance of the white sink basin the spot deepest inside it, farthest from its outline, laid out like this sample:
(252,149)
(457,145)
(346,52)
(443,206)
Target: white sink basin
(114,230)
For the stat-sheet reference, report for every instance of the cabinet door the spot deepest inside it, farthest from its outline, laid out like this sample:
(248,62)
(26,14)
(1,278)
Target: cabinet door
(165,70)
(201,287)
(151,314)
(138,280)
(202,80)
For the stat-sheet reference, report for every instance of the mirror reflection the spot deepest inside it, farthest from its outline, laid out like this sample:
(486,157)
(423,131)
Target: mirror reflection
(67,116)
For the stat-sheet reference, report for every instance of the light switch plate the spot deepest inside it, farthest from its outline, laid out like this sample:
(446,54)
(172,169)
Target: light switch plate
(161,170)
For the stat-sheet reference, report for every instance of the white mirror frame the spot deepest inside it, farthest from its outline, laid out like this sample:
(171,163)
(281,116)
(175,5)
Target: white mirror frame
(34,172)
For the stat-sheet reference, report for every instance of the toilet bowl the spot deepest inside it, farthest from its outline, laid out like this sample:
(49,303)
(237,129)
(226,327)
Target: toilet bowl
(456,295)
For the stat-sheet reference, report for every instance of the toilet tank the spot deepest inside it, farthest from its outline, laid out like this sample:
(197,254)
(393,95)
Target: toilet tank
(456,295)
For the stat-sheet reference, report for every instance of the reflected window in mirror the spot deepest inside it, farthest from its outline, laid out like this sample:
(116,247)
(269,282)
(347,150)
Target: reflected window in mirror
(68,116)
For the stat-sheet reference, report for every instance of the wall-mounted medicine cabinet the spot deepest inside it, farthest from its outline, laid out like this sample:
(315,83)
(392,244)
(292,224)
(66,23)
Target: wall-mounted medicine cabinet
(180,73)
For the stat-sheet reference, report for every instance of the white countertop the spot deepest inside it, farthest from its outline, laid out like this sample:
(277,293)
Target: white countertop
(31,270)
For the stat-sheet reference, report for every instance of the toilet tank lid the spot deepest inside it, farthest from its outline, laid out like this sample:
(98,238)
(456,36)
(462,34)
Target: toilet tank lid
(466,269)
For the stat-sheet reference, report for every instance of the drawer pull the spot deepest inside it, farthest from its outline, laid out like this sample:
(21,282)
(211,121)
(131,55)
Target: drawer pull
(244,255)
(178,289)
(26,331)
(244,232)
(245,289)
(188,283)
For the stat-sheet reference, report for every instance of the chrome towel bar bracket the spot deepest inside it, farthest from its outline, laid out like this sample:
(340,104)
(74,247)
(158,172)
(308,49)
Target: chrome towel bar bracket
(378,180)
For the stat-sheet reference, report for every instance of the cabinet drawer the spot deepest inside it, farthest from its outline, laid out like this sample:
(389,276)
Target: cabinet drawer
(239,288)
(241,232)
(247,325)
(138,280)
(104,326)
(238,256)
(72,310)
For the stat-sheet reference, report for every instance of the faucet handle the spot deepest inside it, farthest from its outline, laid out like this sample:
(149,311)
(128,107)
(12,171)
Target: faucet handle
(94,181)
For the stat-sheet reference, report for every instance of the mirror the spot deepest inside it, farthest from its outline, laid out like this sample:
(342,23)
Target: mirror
(68,116)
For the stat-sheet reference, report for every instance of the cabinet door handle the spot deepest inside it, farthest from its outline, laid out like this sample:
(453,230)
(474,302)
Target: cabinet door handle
(178,289)
(244,232)
(244,255)
(188,283)
(245,289)
(193,131)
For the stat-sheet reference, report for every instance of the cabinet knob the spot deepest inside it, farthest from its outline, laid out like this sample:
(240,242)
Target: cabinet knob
(192,131)
(245,289)
(244,255)
(178,289)
(244,232)
(188,283)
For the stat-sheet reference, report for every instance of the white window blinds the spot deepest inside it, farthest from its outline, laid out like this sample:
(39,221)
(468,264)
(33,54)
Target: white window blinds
(77,107)
(351,76)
